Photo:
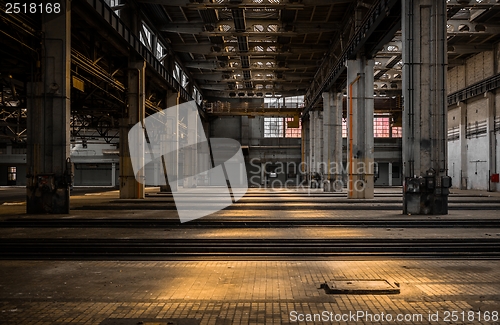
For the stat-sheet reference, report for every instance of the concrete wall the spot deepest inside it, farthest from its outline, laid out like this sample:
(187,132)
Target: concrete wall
(92,174)
(454,167)
(20,174)
(479,157)
(226,127)
(477,163)
(496,187)
(273,153)
(383,174)
(386,178)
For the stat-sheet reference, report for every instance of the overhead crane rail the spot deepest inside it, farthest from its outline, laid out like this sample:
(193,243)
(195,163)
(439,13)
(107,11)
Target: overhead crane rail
(474,90)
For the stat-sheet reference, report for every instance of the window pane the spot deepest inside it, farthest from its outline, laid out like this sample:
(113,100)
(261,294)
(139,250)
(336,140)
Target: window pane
(273,127)
(381,127)
(397,132)
(292,132)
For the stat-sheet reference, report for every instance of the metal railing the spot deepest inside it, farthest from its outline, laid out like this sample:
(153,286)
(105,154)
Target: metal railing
(474,90)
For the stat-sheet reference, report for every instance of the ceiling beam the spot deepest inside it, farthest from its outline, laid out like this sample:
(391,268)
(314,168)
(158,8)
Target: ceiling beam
(205,4)
(468,49)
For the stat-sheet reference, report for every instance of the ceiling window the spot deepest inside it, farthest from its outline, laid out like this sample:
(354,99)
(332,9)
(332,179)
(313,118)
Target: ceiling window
(273,28)
(146,36)
(160,51)
(258,28)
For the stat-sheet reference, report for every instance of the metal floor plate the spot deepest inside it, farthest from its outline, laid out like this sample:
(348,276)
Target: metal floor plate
(360,287)
(140,321)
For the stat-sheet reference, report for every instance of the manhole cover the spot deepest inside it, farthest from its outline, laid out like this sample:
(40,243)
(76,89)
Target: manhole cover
(360,287)
(140,321)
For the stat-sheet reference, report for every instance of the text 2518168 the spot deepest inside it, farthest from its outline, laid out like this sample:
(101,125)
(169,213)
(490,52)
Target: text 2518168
(32,8)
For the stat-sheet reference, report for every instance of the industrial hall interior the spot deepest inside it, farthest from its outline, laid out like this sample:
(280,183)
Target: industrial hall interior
(220,162)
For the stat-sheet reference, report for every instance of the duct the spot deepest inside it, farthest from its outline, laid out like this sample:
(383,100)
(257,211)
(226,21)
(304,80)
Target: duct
(245,63)
(239,20)
(209,16)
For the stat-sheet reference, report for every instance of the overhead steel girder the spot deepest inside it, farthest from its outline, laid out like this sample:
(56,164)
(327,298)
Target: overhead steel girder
(214,86)
(389,72)
(276,87)
(252,34)
(463,26)
(268,27)
(186,47)
(236,52)
(387,84)
(207,48)
(251,109)
(214,65)
(254,93)
(484,4)
(230,76)
(276,84)
(211,65)
(468,49)
(201,4)
(387,62)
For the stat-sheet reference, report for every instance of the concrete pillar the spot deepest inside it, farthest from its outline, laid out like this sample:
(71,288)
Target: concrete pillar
(113,174)
(312,142)
(390,174)
(360,164)
(490,128)
(191,152)
(170,161)
(425,109)
(263,174)
(245,131)
(318,147)
(204,159)
(332,135)
(305,152)
(326,140)
(48,152)
(463,146)
(130,187)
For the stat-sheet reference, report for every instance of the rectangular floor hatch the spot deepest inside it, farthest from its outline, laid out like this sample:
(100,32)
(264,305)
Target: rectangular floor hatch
(360,287)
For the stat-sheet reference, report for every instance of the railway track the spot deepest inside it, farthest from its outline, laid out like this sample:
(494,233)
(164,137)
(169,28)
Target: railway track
(238,222)
(152,206)
(168,249)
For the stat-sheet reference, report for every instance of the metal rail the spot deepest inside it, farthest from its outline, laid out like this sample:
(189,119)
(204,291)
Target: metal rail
(358,206)
(161,249)
(255,222)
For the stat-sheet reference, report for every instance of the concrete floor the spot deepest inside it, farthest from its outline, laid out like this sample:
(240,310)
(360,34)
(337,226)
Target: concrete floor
(226,291)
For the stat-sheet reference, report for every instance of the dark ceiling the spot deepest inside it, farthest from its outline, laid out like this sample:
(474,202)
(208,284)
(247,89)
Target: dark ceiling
(254,48)
(247,48)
